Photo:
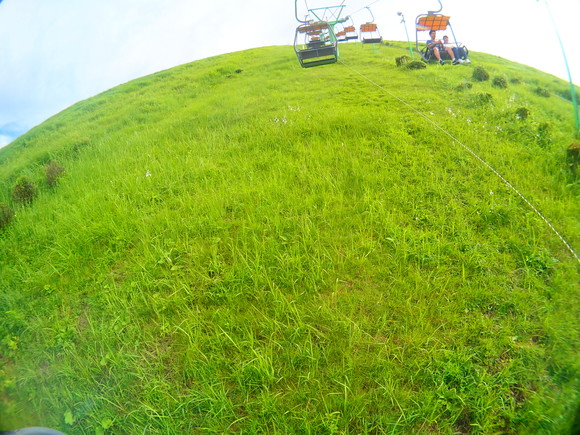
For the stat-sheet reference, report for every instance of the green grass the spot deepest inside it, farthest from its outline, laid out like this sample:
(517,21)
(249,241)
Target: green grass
(280,250)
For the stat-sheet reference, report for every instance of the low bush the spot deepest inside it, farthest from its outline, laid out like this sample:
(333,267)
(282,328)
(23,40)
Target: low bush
(544,134)
(542,92)
(483,99)
(500,82)
(522,113)
(53,172)
(464,86)
(480,74)
(417,64)
(24,191)
(6,215)
(402,60)
(573,156)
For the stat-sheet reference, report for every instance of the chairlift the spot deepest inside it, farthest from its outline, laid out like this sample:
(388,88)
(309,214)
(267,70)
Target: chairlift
(351,33)
(350,30)
(433,20)
(315,42)
(369,32)
(340,34)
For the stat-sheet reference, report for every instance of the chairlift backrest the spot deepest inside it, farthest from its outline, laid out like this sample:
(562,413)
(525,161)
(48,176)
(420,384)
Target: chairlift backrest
(433,22)
(368,27)
(313,28)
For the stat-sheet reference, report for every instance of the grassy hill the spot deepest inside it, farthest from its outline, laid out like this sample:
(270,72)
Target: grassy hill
(242,245)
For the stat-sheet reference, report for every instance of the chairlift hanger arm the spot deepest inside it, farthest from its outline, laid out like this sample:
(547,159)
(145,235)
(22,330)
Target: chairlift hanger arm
(371,12)
(296,13)
(436,12)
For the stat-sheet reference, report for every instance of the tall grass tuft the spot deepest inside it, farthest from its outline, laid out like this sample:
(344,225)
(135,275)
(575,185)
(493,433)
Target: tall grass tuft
(24,191)
(6,215)
(480,74)
(53,171)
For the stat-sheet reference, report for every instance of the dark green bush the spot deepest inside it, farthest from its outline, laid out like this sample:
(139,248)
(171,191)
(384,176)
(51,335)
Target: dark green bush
(464,86)
(480,74)
(522,113)
(24,191)
(483,99)
(53,172)
(416,64)
(542,92)
(515,81)
(6,215)
(573,156)
(402,60)
(500,82)
(544,134)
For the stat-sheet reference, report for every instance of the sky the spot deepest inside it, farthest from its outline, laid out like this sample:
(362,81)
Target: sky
(54,53)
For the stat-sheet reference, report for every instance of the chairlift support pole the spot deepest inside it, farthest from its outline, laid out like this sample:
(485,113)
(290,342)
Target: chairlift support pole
(405,25)
(572,88)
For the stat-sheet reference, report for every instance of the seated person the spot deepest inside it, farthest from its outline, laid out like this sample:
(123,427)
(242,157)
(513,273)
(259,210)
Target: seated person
(459,52)
(436,45)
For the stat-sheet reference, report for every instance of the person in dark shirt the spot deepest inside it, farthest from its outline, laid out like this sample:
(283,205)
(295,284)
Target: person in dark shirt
(437,45)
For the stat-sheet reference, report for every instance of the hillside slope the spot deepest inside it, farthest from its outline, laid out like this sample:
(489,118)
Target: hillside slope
(239,244)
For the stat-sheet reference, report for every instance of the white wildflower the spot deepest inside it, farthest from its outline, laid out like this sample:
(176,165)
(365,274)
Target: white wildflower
(147,174)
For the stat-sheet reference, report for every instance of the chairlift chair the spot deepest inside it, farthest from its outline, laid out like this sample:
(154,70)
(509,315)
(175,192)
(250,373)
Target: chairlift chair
(351,33)
(369,32)
(315,44)
(433,21)
(340,34)
(350,30)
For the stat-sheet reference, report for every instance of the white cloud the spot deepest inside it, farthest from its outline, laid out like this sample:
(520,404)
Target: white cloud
(5,140)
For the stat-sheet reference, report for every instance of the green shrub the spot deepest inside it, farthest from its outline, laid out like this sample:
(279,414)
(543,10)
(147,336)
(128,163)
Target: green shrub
(500,82)
(6,215)
(53,172)
(542,92)
(24,191)
(515,81)
(522,113)
(573,156)
(416,64)
(402,60)
(480,74)
(544,134)
(567,93)
(464,86)
(483,99)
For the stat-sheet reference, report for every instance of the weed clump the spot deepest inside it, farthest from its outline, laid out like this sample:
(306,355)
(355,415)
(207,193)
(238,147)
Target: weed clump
(416,64)
(543,135)
(573,156)
(522,113)
(515,81)
(53,171)
(483,99)
(402,60)
(464,86)
(542,92)
(500,82)
(6,215)
(24,191)
(480,74)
